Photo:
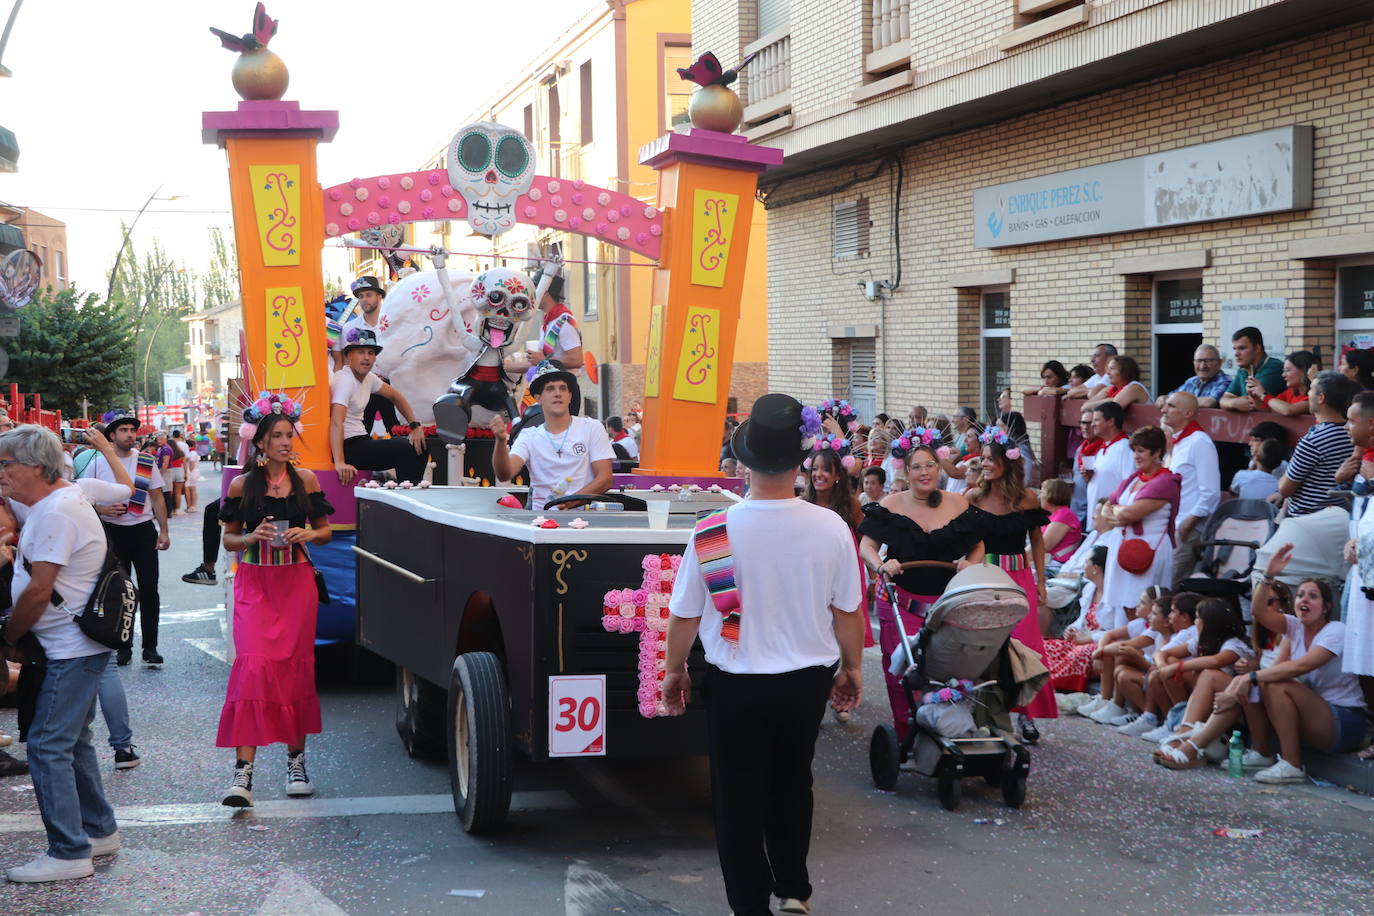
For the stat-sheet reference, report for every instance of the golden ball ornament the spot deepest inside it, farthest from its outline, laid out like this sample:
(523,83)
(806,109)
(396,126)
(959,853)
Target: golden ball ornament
(716,108)
(260,75)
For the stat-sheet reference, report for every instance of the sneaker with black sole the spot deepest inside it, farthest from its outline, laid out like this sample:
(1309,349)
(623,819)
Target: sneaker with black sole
(126,758)
(151,658)
(199,576)
(298,784)
(12,766)
(240,794)
(123,657)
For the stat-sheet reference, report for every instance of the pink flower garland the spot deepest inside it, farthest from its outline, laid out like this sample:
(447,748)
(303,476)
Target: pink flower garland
(644,611)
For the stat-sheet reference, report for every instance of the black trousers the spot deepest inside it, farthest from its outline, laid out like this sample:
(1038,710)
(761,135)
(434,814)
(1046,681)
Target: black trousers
(209,535)
(135,546)
(378,405)
(761,733)
(368,454)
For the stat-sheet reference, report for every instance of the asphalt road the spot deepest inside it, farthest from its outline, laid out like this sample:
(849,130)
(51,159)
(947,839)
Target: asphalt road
(1103,830)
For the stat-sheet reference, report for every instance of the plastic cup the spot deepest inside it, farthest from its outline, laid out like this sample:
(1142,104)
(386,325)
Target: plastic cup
(658,513)
(535,349)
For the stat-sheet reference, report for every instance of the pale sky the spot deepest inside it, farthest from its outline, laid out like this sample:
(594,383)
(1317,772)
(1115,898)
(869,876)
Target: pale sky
(106,100)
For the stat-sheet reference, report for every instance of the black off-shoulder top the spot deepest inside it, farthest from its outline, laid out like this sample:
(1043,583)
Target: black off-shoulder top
(1005,534)
(231,510)
(908,541)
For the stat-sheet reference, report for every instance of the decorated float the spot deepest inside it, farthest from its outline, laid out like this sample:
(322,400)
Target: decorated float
(512,628)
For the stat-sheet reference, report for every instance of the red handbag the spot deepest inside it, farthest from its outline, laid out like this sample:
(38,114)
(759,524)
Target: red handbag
(1135,555)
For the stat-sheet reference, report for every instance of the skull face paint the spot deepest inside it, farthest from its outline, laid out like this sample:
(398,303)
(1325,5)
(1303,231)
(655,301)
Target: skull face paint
(502,299)
(490,165)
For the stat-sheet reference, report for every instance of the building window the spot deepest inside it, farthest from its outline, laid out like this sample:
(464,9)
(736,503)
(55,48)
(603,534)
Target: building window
(1354,307)
(860,358)
(677,92)
(996,345)
(529,123)
(60,261)
(772,15)
(849,226)
(584,76)
(591,279)
(1177,326)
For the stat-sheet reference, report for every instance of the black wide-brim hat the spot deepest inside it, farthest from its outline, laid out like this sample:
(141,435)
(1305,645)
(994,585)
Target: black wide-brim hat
(361,337)
(549,370)
(365,283)
(770,441)
(125,420)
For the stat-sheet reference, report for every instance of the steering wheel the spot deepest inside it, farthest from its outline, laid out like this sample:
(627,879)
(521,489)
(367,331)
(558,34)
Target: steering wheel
(631,503)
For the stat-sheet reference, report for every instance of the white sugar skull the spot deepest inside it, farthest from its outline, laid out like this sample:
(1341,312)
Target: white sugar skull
(490,165)
(422,347)
(502,299)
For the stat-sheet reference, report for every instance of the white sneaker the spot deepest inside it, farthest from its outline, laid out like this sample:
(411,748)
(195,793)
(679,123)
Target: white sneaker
(297,782)
(1281,772)
(1162,733)
(46,868)
(1217,751)
(106,845)
(1123,720)
(1109,711)
(1139,725)
(1092,706)
(240,794)
(1253,759)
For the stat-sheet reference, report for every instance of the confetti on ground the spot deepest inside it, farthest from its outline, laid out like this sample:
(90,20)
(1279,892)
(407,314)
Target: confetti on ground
(259,827)
(1238,833)
(464,892)
(993,821)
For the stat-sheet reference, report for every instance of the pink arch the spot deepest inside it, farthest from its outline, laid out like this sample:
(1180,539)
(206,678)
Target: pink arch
(553,203)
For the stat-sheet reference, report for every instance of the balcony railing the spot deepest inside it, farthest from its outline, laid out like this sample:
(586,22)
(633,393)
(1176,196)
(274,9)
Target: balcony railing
(891,23)
(770,74)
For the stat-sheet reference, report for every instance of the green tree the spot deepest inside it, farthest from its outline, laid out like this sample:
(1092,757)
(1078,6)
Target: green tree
(220,282)
(154,292)
(72,346)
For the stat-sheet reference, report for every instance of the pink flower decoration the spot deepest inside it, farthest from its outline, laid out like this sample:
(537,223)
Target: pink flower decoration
(383,182)
(1014,454)
(384,201)
(355,183)
(608,623)
(426,195)
(428,212)
(847,462)
(640,595)
(436,177)
(394,219)
(943,453)
(335,194)
(650,562)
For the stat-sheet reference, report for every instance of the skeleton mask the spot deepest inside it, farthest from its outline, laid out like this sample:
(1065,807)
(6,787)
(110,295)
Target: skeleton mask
(490,165)
(502,299)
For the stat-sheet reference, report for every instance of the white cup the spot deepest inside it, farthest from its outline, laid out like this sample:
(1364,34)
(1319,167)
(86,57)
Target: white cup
(658,513)
(1089,462)
(535,349)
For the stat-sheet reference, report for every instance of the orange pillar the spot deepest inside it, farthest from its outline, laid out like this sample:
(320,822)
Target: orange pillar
(278,235)
(706,188)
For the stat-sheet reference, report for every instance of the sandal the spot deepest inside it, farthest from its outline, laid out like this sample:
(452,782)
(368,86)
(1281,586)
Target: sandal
(1191,730)
(1175,759)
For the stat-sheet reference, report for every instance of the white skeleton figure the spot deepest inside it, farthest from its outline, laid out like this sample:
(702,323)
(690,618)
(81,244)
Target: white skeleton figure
(490,165)
(421,337)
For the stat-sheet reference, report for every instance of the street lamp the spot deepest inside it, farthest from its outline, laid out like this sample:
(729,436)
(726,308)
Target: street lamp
(124,243)
(138,321)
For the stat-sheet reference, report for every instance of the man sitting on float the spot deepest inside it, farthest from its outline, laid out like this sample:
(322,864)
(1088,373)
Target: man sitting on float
(558,337)
(568,454)
(350,389)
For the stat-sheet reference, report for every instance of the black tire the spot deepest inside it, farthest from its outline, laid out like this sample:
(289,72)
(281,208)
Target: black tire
(950,788)
(993,777)
(1014,790)
(421,708)
(884,757)
(479,742)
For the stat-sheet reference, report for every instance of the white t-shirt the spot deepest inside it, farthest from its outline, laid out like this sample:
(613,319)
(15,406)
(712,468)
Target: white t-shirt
(1329,681)
(347,389)
(1135,626)
(1111,466)
(62,528)
(359,320)
(629,444)
(99,469)
(1096,380)
(553,474)
(1186,637)
(793,562)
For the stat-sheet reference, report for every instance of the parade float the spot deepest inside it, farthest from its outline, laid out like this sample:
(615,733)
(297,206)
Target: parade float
(512,628)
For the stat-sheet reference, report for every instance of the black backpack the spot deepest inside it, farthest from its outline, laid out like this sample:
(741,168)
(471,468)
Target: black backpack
(108,616)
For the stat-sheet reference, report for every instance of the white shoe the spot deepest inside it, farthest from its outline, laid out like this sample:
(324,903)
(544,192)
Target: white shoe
(1281,772)
(1217,751)
(1139,725)
(1092,706)
(240,794)
(1162,733)
(106,845)
(1253,759)
(1123,720)
(297,782)
(46,868)
(1109,711)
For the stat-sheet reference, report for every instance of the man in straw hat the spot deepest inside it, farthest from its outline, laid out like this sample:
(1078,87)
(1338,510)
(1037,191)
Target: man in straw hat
(771,587)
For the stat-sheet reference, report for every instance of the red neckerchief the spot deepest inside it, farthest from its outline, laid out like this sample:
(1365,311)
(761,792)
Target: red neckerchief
(1368,455)
(1090,447)
(1187,431)
(557,310)
(620,435)
(1146,478)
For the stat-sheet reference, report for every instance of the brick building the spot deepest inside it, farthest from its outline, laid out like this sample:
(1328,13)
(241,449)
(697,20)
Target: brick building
(41,234)
(962,196)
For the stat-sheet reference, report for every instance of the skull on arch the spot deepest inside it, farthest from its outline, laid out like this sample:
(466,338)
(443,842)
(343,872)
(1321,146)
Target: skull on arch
(490,165)
(502,299)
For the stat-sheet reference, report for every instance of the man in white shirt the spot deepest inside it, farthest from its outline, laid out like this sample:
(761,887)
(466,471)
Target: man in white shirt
(61,552)
(567,454)
(792,641)
(370,293)
(1193,456)
(1102,354)
(350,389)
(1112,464)
(615,428)
(129,524)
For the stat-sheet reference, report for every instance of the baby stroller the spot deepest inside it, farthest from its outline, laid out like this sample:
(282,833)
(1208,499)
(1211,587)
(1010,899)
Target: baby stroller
(966,636)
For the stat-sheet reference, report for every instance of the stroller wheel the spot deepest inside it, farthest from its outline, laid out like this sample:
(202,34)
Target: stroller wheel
(884,757)
(950,788)
(993,777)
(1014,789)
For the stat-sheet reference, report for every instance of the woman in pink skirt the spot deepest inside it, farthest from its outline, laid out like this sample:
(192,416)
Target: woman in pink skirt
(270,513)
(1007,511)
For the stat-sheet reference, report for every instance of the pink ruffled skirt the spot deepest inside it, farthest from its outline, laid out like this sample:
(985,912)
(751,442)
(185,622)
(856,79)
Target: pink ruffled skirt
(271,696)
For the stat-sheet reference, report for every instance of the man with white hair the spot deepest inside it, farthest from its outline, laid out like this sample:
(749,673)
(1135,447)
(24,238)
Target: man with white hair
(61,552)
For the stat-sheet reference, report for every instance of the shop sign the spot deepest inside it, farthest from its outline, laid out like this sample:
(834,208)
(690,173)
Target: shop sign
(1269,315)
(1265,172)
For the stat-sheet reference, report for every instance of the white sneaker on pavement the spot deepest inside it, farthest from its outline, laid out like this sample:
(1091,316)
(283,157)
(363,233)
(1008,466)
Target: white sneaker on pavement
(1109,711)
(1253,759)
(1123,720)
(1162,733)
(106,845)
(1139,725)
(298,784)
(1092,706)
(46,868)
(1281,772)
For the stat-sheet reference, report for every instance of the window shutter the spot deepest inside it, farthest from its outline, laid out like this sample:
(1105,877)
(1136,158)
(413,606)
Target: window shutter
(772,15)
(849,229)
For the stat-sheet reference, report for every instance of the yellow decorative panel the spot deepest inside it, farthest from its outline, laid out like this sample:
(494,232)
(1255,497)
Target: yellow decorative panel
(698,366)
(713,232)
(276,208)
(654,363)
(290,356)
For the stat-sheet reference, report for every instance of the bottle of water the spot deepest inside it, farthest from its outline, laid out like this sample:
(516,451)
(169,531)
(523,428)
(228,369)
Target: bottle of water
(1235,767)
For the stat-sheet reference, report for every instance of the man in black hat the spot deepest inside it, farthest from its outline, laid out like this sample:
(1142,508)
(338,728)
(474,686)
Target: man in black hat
(129,525)
(567,454)
(350,390)
(369,292)
(778,644)
(558,336)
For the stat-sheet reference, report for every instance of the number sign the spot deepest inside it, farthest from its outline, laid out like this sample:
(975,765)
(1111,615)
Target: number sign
(577,715)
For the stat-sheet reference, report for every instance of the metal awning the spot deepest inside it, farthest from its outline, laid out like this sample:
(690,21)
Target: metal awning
(11,237)
(9,151)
